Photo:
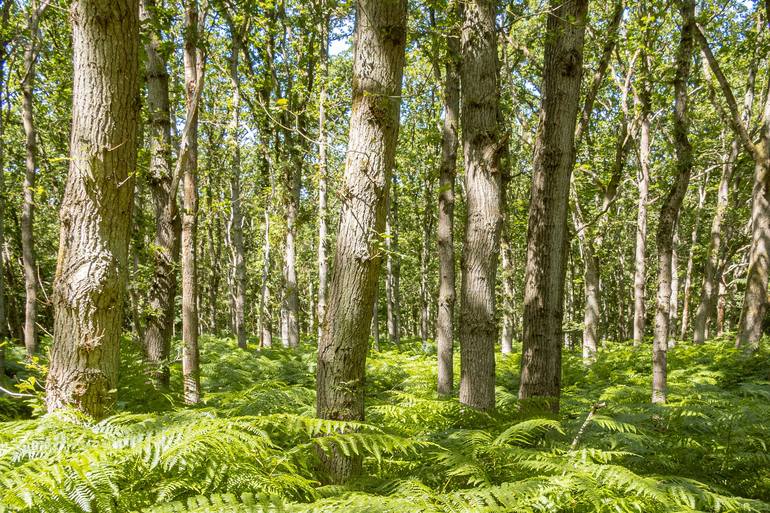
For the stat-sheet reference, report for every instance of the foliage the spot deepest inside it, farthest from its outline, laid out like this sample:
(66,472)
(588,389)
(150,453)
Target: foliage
(254,445)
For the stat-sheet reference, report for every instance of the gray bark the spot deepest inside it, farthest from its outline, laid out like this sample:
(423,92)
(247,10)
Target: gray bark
(482,148)
(159,319)
(446,206)
(669,212)
(393,267)
(380,38)
(96,207)
(323,171)
(691,259)
(547,239)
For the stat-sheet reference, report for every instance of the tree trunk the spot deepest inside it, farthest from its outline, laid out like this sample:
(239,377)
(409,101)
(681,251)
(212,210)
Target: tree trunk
(446,208)
(96,207)
(28,206)
(380,37)
(506,339)
(427,227)
(669,211)
(265,310)
(708,299)
(4,333)
(482,147)
(643,183)
(547,239)
(376,320)
(393,277)
(238,254)
(193,82)
(323,171)
(290,306)
(674,303)
(159,320)
(691,259)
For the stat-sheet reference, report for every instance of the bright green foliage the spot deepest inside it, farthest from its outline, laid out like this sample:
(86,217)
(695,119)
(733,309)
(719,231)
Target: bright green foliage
(253,446)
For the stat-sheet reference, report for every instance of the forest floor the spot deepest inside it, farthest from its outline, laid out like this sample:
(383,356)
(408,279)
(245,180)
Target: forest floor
(252,444)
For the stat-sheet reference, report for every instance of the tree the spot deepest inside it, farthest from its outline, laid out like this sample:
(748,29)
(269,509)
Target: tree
(28,211)
(482,147)
(159,318)
(446,205)
(669,211)
(193,74)
(380,39)
(547,238)
(96,208)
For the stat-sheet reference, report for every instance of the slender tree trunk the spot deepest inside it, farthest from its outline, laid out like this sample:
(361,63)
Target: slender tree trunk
(691,259)
(547,240)
(4,333)
(506,339)
(427,227)
(708,299)
(265,309)
(376,320)
(669,212)
(674,303)
(323,171)
(28,206)
(290,306)
(393,278)
(643,183)
(193,83)
(96,207)
(378,64)
(446,207)
(159,320)
(238,253)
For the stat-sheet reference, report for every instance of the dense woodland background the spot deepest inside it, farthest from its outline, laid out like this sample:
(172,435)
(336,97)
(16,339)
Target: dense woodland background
(436,255)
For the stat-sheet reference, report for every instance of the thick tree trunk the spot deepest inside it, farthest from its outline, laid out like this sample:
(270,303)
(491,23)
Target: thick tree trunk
(393,267)
(28,206)
(96,207)
(378,65)
(159,320)
(669,211)
(193,82)
(482,148)
(238,253)
(547,239)
(446,207)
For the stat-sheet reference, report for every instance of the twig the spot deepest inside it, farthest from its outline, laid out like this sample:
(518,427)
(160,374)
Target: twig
(15,394)
(596,407)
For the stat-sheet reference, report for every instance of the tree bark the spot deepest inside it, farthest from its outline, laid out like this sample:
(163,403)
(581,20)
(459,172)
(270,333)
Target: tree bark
(290,298)
(482,147)
(691,259)
(393,267)
(506,339)
(669,212)
(323,171)
(380,38)
(29,261)
(5,11)
(238,253)
(193,83)
(427,227)
(96,207)
(547,239)
(643,183)
(446,207)
(159,319)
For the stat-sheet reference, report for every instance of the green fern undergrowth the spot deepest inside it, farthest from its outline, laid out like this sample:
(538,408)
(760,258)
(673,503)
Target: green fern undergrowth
(252,446)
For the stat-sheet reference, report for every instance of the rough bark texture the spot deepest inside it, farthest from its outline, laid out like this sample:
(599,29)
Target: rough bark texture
(290,299)
(193,83)
(669,211)
(380,39)
(483,178)
(159,319)
(446,207)
(691,259)
(547,239)
(238,253)
(96,207)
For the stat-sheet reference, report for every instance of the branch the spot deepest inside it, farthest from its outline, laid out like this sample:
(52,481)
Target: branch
(735,115)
